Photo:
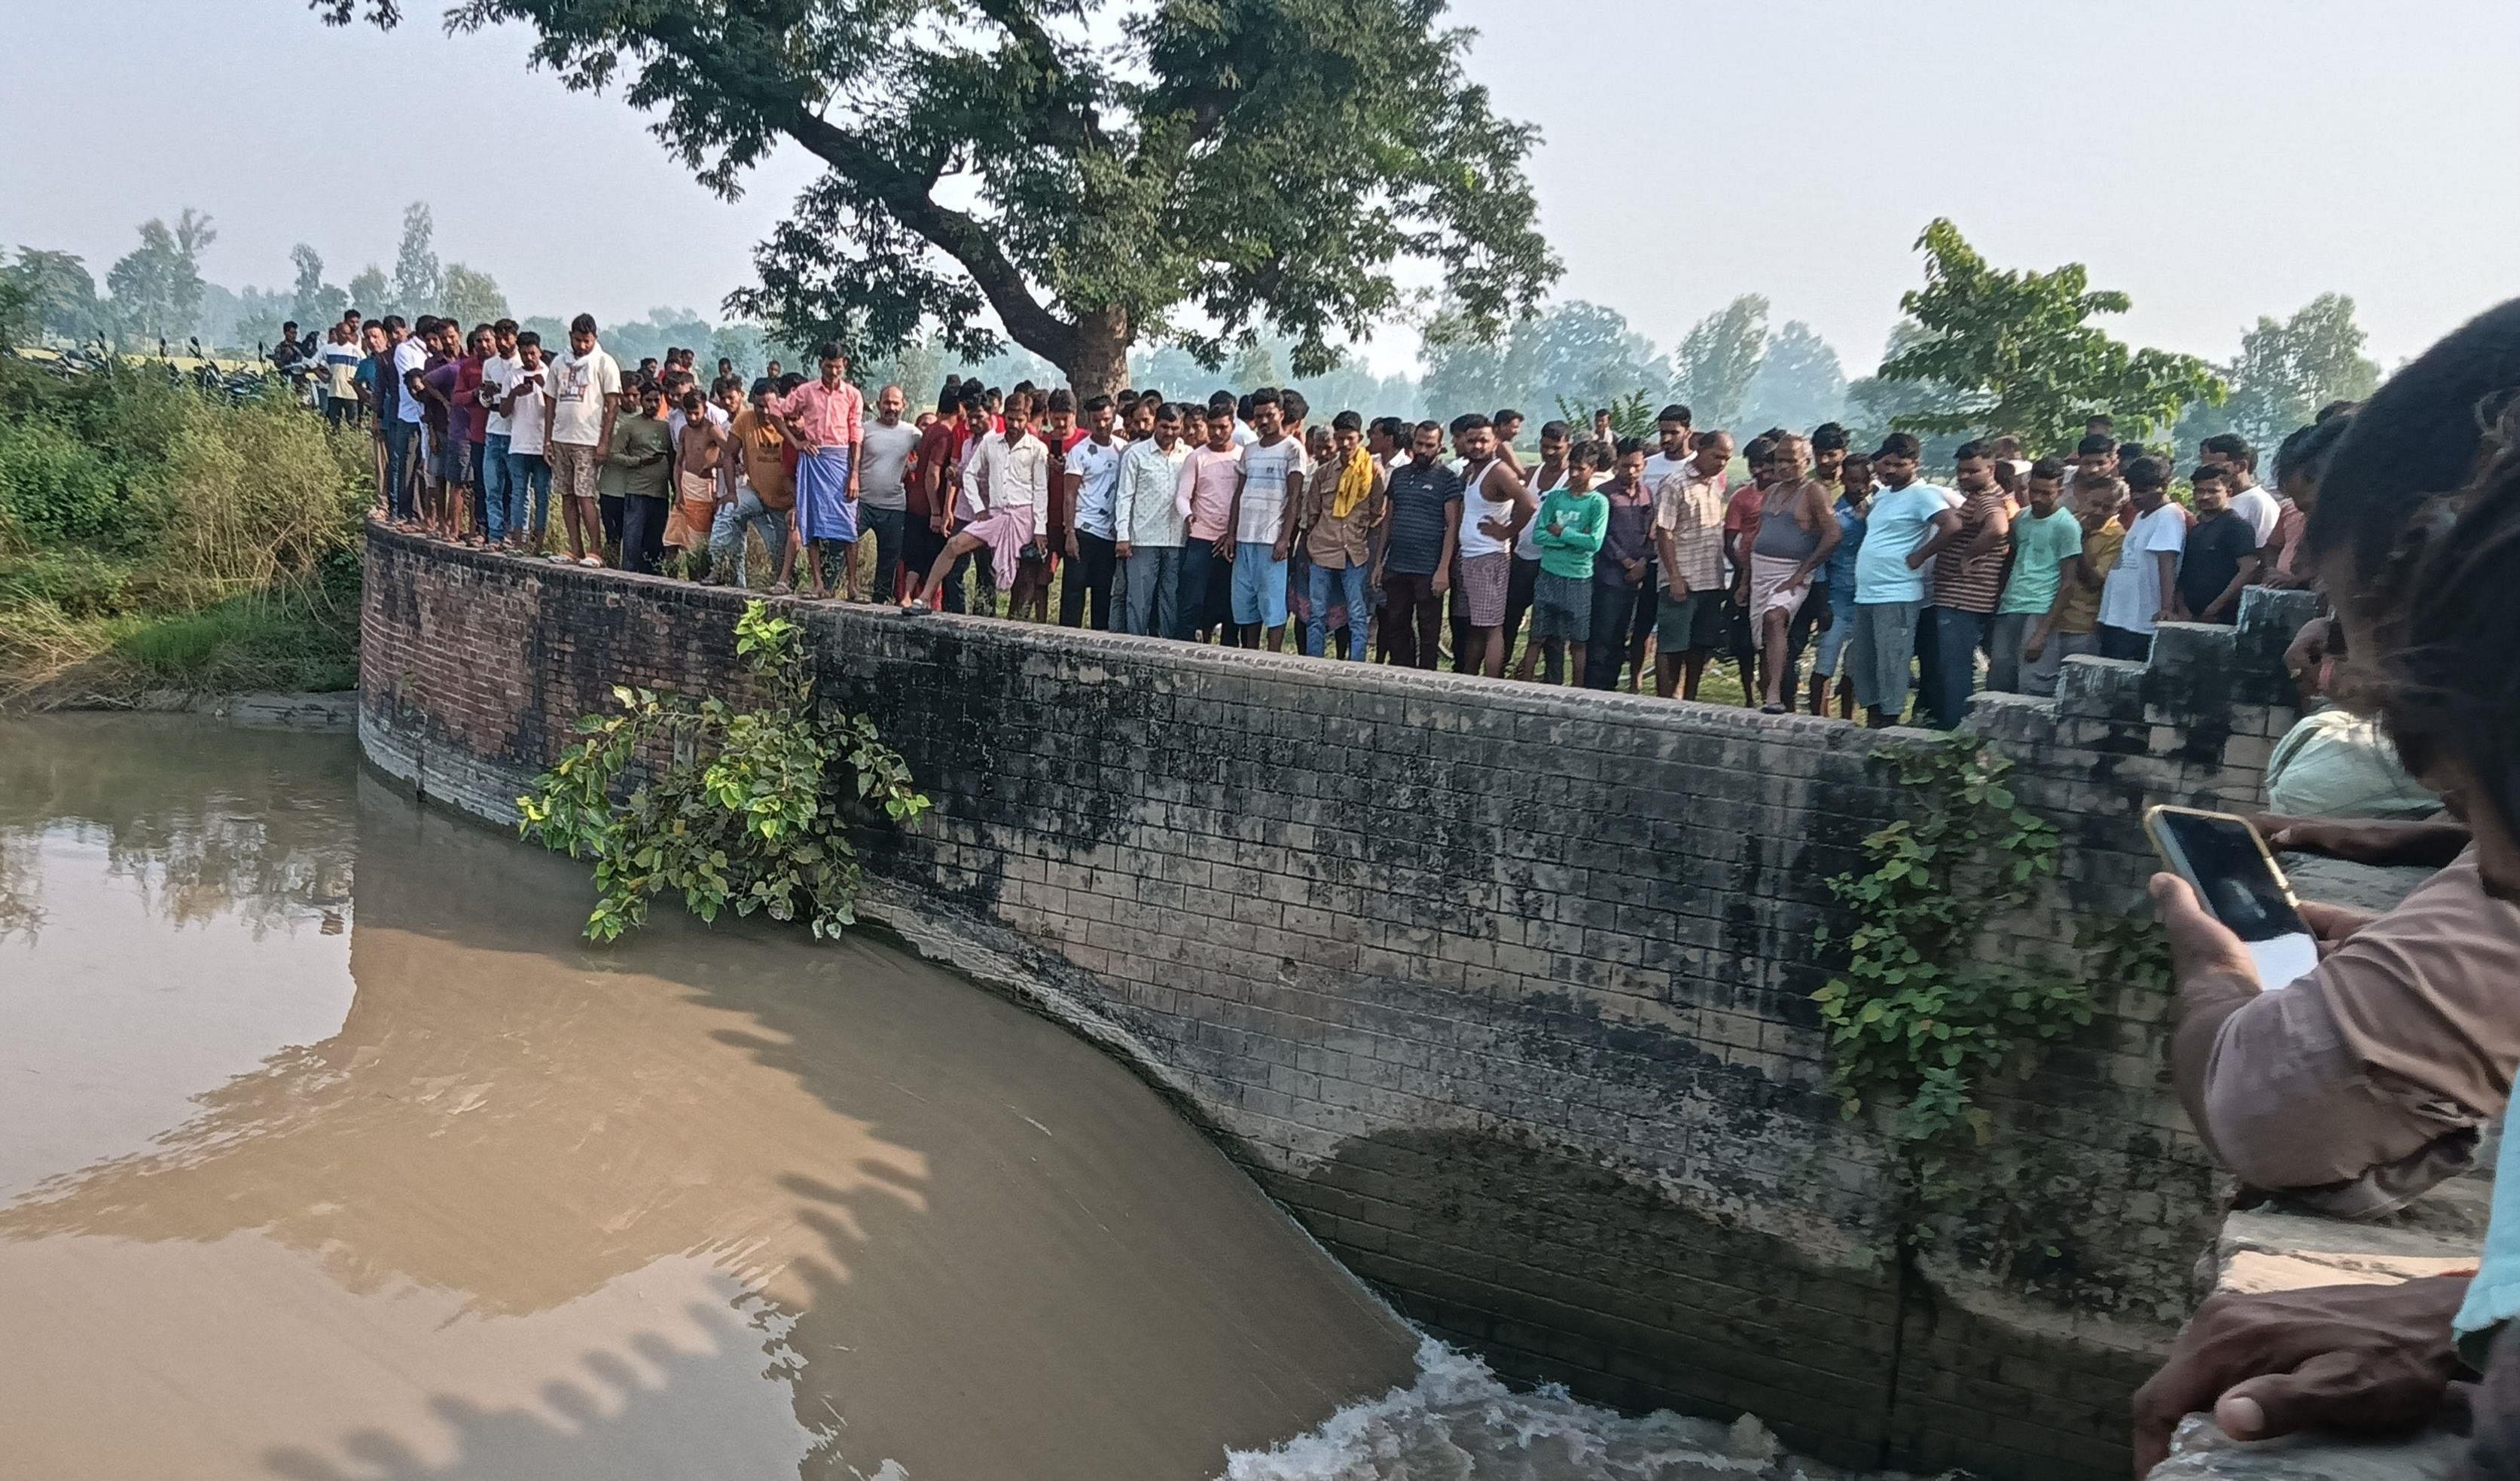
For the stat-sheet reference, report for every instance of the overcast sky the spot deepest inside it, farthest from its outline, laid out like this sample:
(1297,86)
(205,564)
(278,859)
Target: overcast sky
(2218,160)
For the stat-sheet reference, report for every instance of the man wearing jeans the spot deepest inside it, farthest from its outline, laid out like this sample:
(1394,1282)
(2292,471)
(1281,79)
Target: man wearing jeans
(528,475)
(1344,505)
(763,497)
(1909,524)
(1203,496)
(1150,526)
(404,442)
(498,432)
(1969,581)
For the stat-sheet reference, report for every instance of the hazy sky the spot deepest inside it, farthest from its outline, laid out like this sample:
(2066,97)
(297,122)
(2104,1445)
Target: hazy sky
(2216,159)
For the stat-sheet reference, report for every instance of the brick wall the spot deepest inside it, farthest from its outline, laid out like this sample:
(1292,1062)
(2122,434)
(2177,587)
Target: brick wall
(1504,991)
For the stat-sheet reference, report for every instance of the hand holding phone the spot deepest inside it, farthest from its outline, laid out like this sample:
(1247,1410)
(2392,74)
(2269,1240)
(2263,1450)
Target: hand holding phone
(2238,882)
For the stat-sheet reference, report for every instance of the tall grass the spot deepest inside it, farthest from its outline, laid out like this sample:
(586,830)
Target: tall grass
(151,537)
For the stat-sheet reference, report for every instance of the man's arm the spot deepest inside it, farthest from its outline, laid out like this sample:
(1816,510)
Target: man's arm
(604,439)
(1287,512)
(1442,581)
(2168,562)
(1815,502)
(1998,525)
(2068,576)
(1673,581)
(2240,578)
(1946,528)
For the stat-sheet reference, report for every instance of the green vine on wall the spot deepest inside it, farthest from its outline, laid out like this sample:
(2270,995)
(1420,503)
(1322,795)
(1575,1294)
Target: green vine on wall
(1916,1026)
(746,808)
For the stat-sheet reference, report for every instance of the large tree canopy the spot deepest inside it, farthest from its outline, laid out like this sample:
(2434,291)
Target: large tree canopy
(1093,172)
(2016,342)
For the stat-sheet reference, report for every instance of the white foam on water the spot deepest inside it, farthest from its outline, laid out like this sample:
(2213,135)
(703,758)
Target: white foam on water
(1460,1422)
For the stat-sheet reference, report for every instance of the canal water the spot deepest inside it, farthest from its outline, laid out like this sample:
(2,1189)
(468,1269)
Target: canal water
(329,1152)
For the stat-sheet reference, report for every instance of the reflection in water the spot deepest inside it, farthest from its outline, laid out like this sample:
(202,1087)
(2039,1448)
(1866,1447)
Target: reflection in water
(717,1203)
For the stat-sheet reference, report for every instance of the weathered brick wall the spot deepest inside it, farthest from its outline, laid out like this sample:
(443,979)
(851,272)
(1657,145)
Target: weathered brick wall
(1504,991)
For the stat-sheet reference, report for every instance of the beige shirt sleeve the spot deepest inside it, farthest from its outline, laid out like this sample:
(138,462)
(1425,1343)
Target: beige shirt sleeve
(2364,1083)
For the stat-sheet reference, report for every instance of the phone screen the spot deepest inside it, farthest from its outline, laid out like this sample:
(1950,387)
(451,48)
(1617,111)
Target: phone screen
(2220,856)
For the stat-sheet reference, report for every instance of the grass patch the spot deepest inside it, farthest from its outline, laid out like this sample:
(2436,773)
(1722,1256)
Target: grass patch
(245,643)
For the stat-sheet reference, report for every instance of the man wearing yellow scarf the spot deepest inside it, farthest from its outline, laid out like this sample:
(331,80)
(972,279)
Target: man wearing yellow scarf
(1343,506)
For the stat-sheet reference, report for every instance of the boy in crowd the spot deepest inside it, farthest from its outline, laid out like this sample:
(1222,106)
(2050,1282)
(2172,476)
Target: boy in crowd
(2230,454)
(1854,498)
(1620,566)
(2047,555)
(1555,438)
(700,489)
(528,479)
(1689,538)
(1344,503)
(1571,519)
(2141,590)
(1908,525)
(1150,529)
(2221,555)
(1969,583)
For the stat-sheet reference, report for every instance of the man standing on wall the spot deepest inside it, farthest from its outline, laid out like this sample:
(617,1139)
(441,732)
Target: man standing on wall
(1908,525)
(1673,444)
(883,487)
(1093,480)
(765,497)
(934,479)
(1344,501)
(578,419)
(1150,525)
(498,432)
(1418,559)
(644,447)
(406,450)
(528,475)
(1619,567)
(824,421)
(2046,560)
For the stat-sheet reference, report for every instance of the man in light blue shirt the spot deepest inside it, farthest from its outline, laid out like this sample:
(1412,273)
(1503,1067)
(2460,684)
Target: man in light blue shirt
(1909,523)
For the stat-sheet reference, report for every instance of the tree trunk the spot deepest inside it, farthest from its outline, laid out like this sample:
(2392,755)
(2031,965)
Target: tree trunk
(1098,364)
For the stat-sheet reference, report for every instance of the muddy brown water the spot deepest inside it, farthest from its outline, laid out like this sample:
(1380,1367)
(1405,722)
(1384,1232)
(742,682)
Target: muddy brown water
(329,1150)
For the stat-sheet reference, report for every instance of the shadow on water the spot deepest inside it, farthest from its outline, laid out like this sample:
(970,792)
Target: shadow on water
(568,1211)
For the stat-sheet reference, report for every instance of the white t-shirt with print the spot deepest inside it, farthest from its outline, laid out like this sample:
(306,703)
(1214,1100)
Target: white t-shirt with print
(1265,468)
(2132,594)
(579,387)
(1097,472)
(496,373)
(526,423)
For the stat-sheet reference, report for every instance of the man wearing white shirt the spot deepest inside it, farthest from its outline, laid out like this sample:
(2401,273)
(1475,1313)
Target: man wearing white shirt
(1009,473)
(498,434)
(581,399)
(1093,473)
(403,439)
(2232,453)
(2136,597)
(1152,530)
(528,475)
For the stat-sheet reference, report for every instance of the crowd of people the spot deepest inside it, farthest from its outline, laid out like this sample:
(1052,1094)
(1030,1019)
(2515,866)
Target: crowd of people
(1249,520)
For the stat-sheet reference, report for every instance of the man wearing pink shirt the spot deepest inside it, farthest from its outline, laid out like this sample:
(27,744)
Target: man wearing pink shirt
(1203,496)
(823,421)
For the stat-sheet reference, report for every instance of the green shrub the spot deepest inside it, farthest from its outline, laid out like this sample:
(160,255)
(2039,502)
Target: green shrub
(55,488)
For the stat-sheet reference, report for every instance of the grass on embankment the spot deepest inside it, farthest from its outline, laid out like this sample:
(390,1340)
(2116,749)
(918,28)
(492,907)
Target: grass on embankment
(152,538)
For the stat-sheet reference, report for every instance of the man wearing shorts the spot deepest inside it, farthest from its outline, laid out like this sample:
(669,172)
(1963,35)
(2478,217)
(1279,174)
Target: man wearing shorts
(582,400)
(1688,542)
(1494,507)
(1909,524)
(1267,495)
(1855,496)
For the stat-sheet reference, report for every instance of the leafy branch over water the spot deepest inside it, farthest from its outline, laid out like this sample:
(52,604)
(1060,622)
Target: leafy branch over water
(747,808)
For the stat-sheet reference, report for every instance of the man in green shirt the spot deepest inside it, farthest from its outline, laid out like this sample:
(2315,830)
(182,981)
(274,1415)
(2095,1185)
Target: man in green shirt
(1570,521)
(643,447)
(2047,552)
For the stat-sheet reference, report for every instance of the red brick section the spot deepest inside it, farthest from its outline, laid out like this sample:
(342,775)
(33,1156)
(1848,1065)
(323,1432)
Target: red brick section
(1502,991)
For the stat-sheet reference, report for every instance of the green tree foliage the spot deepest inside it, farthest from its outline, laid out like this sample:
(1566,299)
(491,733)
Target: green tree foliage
(1799,382)
(156,289)
(369,293)
(59,294)
(2286,371)
(744,808)
(418,282)
(313,302)
(2018,342)
(1574,351)
(1719,358)
(1085,170)
(471,298)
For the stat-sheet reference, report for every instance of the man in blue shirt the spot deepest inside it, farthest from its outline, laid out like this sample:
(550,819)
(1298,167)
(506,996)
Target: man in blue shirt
(1908,524)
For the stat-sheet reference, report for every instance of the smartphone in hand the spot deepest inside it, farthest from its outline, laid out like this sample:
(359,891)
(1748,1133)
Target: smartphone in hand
(2237,879)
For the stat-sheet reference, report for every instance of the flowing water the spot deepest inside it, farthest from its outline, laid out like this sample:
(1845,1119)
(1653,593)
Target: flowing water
(329,1152)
